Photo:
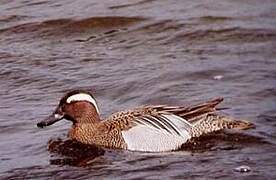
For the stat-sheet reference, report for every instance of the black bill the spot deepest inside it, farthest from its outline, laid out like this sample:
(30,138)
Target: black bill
(55,117)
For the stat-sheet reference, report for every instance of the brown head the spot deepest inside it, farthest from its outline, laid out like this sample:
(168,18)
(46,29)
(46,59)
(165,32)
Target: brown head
(78,106)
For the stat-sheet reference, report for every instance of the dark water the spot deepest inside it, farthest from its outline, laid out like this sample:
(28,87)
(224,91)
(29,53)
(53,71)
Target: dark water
(132,53)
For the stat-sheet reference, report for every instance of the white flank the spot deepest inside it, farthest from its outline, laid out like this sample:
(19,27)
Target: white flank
(83,97)
(143,138)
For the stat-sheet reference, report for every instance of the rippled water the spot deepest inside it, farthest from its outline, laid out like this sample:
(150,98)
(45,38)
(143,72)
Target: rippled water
(132,53)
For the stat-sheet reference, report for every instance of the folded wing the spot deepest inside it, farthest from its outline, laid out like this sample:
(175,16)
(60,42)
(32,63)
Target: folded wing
(157,132)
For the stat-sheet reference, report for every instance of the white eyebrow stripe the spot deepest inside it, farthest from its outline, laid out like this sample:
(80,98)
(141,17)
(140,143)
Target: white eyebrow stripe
(82,97)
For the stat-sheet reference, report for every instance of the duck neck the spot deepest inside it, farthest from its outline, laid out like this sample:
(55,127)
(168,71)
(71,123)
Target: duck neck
(89,117)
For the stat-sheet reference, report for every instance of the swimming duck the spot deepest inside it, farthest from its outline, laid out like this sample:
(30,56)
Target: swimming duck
(152,128)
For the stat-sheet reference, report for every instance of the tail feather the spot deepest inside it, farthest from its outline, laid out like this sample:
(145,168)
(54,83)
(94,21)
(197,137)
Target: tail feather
(243,125)
(204,117)
(213,122)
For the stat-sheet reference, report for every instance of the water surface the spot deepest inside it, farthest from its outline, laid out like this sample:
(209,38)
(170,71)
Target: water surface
(130,54)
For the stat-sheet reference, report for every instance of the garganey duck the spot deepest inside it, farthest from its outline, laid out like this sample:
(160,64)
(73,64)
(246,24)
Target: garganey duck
(152,128)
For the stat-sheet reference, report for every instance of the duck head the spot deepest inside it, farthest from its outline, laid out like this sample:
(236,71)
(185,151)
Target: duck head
(78,106)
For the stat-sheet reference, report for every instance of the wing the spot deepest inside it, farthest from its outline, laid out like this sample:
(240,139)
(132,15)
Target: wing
(165,123)
(160,128)
(156,132)
(192,114)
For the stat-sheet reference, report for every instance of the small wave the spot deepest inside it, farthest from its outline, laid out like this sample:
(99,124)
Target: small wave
(70,26)
(131,4)
(12,18)
(214,18)
(233,35)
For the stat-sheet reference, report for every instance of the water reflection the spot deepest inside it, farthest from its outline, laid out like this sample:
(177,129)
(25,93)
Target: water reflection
(73,153)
